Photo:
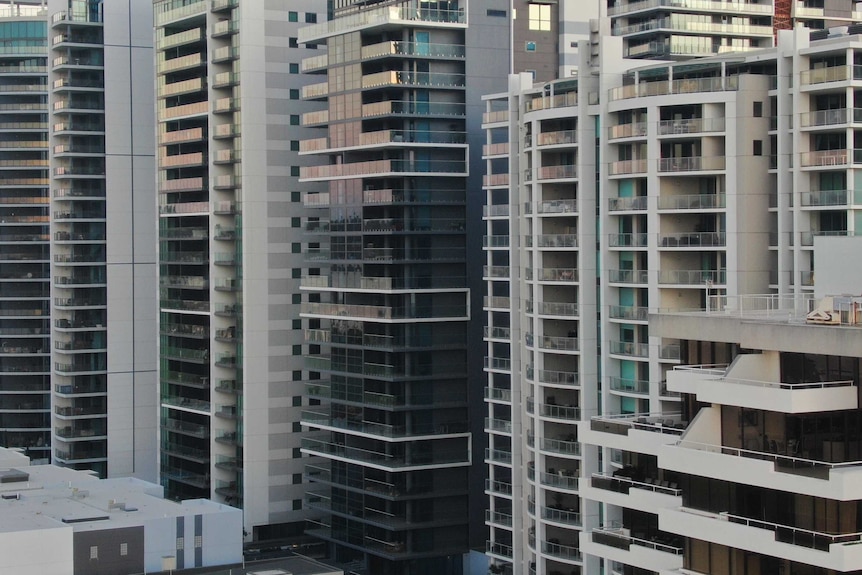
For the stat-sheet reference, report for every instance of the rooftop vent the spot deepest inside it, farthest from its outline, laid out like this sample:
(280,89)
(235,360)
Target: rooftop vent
(13,476)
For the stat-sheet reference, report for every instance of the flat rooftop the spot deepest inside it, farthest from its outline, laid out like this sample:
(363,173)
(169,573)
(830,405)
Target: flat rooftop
(46,496)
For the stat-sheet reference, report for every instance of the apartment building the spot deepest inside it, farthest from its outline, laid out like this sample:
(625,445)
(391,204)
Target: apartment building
(77,324)
(388,285)
(683,183)
(231,367)
(763,474)
(673,30)
(103,242)
(25,288)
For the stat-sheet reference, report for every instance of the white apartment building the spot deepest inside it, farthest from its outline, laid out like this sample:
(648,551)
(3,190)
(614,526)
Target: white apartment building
(684,29)
(232,378)
(77,258)
(628,190)
(103,237)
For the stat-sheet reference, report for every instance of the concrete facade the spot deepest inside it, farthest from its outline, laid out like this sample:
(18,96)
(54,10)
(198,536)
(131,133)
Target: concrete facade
(61,521)
(231,257)
(699,183)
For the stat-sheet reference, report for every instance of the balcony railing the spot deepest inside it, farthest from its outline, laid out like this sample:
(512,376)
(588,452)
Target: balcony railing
(627,167)
(830,74)
(692,202)
(380,17)
(692,239)
(691,164)
(690,126)
(622,484)
(667,87)
(628,276)
(692,277)
(636,203)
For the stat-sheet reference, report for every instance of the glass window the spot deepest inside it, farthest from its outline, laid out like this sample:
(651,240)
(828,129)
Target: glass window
(540,17)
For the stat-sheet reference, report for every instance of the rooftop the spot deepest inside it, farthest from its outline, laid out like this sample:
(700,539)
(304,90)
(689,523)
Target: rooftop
(45,496)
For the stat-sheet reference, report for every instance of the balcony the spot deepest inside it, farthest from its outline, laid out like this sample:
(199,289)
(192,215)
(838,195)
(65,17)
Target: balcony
(821,198)
(440,458)
(420,79)
(628,313)
(630,204)
(626,385)
(563,275)
(553,377)
(629,349)
(686,86)
(691,164)
(632,130)
(641,433)
(618,544)
(829,74)
(840,552)
(552,343)
(646,495)
(692,240)
(628,276)
(692,278)
(692,202)
(566,553)
(786,466)
(624,167)
(690,126)
(833,117)
(709,383)
(383,167)
(639,240)
(828,158)
(377,17)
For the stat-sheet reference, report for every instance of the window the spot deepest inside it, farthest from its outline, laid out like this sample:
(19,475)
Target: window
(294,145)
(94,552)
(758,110)
(297,504)
(758,147)
(297,375)
(294,94)
(297,478)
(296,401)
(199,541)
(295,197)
(297,453)
(295,222)
(297,350)
(310,18)
(529,46)
(294,119)
(292,42)
(296,324)
(539,17)
(295,273)
(295,248)
(293,68)
(293,16)
(296,298)
(496,13)
(296,427)
(181,543)
(124,549)
(294,171)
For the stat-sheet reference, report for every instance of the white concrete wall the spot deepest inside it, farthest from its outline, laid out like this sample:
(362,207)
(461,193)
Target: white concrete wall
(837,269)
(45,551)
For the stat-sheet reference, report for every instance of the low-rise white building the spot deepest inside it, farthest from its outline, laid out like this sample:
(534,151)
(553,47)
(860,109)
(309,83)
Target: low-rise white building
(58,521)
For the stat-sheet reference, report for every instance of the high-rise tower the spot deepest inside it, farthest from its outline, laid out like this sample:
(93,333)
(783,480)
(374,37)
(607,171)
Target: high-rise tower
(103,264)
(231,366)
